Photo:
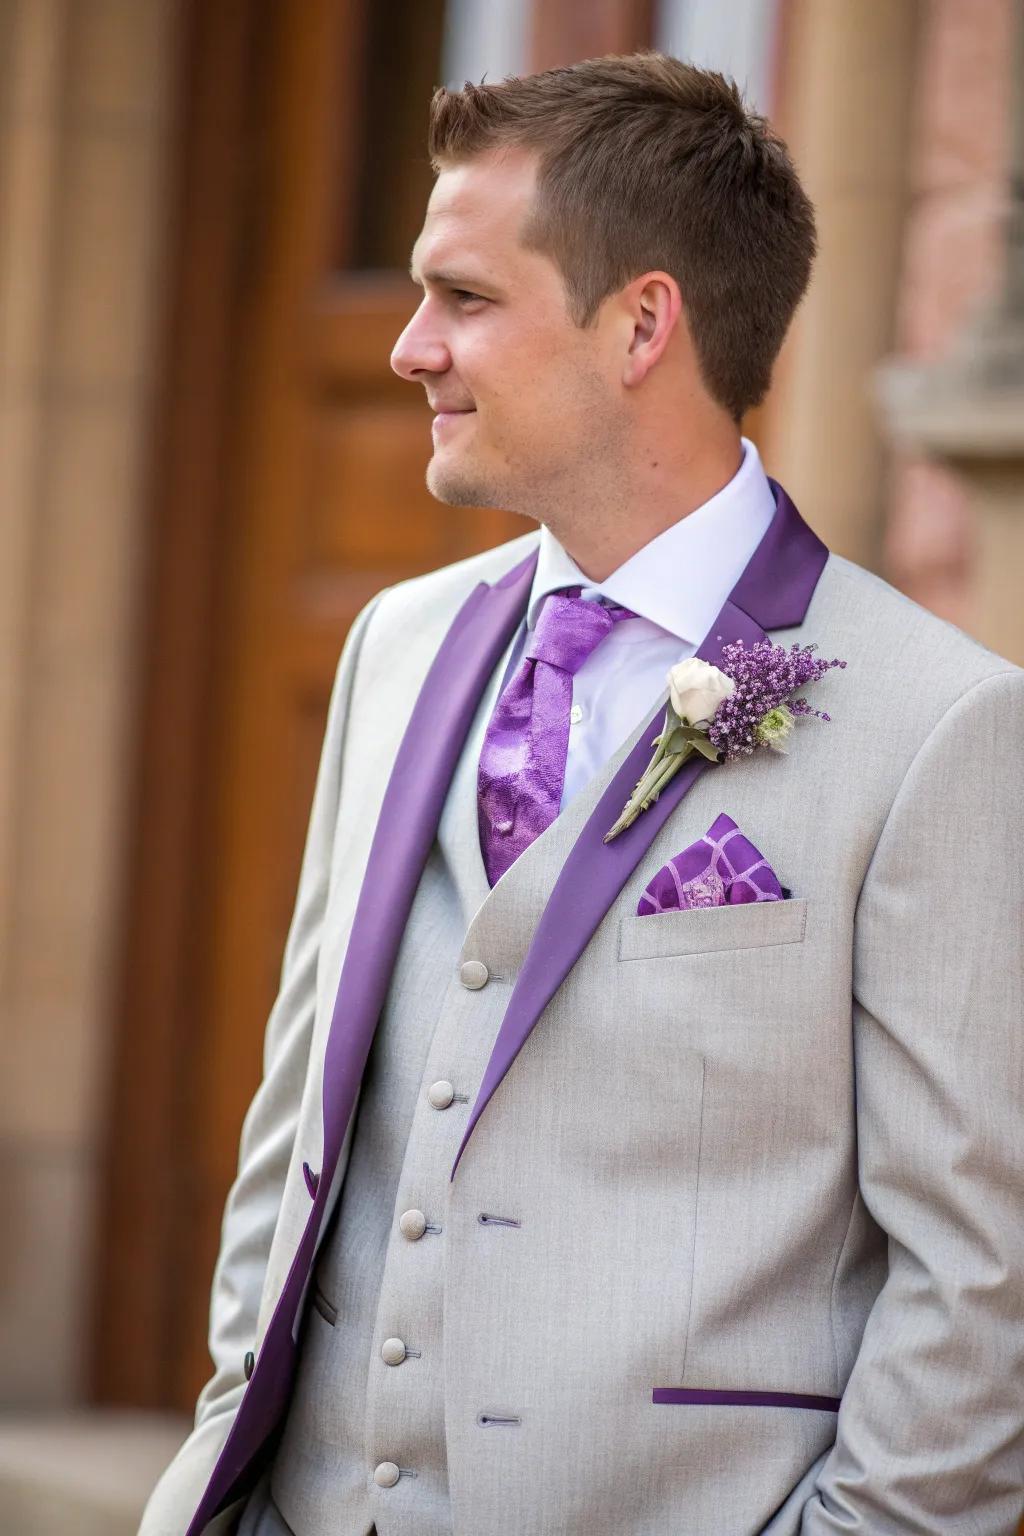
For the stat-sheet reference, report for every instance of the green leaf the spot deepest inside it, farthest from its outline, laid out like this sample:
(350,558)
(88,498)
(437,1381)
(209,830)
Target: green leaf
(707,748)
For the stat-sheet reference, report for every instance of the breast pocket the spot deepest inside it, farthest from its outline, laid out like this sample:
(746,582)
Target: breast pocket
(703,930)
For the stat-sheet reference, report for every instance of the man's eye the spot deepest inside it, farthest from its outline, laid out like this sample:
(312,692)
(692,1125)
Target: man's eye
(464,296)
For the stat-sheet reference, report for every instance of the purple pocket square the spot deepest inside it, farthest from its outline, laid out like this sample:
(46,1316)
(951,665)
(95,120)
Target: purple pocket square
(721,869)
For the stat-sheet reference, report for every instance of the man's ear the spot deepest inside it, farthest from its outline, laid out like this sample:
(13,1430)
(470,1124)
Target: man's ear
(654,304)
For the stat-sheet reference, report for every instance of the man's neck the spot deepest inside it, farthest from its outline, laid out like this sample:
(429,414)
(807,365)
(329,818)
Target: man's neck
(601,545)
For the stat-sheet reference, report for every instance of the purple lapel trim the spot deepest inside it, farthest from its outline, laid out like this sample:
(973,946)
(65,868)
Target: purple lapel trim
(774,591)
(406,828)
(712,1397)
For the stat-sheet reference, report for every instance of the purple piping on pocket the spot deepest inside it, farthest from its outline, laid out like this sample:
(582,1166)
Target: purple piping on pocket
(312,1180)
(712,1397)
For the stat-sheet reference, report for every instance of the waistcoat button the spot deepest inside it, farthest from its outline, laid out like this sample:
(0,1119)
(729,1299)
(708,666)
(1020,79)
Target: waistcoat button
(386,1475)
(249,1364)
(392,1351)
(413,1224)
(473,974)
(441,1094)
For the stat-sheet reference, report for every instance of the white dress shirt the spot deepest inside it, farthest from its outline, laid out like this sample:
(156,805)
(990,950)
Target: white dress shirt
(676,585)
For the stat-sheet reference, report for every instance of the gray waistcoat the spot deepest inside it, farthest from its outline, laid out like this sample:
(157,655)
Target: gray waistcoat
(351,1409)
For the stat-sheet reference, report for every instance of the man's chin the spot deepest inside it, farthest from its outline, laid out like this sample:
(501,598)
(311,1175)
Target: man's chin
(455,487)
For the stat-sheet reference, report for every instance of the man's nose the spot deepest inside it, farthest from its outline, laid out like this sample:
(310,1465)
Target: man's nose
(419,349)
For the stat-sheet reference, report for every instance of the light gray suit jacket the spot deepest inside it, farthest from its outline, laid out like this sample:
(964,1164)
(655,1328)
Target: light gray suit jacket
(769,1149)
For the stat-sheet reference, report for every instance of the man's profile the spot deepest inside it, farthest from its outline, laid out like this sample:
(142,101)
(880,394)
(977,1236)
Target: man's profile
(667,1182)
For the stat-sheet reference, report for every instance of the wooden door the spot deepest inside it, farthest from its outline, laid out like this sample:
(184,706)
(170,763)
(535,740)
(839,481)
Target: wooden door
(288,488)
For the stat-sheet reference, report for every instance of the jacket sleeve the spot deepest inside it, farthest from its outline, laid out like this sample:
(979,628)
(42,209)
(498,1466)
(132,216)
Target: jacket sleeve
(268,1133)
(930,1432)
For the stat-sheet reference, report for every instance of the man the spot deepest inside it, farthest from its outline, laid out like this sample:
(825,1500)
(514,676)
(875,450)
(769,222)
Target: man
(583,1192)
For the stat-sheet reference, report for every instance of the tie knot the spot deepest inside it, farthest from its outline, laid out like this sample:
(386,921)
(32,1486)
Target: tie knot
(569,627)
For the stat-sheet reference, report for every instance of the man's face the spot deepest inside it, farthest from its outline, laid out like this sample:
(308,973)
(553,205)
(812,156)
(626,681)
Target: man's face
(527,401)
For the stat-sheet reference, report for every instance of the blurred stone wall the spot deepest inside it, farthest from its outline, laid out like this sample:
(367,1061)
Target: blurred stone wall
(84,138)
(952,262)
(845,94)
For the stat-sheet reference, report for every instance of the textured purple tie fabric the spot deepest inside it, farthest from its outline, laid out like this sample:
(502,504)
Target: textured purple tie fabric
(522,762)
(722,868)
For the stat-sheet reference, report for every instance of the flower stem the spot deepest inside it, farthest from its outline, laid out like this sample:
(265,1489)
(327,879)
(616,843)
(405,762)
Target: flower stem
(649,788)
(665,772)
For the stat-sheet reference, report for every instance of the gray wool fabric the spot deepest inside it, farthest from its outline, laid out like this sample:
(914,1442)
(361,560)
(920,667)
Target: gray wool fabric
(771,1148)
(373,1282)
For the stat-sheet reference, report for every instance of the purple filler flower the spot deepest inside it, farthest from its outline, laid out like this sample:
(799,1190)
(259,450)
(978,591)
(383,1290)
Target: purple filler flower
(760,712)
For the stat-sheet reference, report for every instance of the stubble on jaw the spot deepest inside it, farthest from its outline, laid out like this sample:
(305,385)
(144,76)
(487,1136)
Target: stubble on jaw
(461,483)
(521,493)
(461,488)
(546,485)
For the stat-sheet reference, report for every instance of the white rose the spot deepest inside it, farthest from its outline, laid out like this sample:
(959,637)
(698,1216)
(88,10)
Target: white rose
(697,688)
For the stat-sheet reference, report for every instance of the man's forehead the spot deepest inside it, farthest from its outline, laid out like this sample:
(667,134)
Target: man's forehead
(476,185)
(452,258)
(473,204)
(460,241)
(474,215)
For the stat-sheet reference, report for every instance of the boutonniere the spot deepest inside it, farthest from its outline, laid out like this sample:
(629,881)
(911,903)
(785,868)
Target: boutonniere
(727,713)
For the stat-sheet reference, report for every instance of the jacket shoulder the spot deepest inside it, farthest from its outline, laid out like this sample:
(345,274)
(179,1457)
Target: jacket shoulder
(897,642)
(908,675)
(406,623)
(436,596)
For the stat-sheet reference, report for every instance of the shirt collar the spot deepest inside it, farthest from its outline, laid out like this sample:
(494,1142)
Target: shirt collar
(680,579)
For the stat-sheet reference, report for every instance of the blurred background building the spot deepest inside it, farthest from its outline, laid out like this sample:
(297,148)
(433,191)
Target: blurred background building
(206,214)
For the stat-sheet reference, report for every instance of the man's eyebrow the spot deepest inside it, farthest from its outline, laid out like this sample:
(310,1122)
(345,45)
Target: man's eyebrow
(446,278)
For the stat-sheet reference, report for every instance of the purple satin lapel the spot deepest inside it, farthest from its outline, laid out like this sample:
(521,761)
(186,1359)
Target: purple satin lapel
(778,582)
(406,828)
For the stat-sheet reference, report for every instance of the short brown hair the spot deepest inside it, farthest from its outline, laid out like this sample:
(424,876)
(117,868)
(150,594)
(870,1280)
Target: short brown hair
(646,162)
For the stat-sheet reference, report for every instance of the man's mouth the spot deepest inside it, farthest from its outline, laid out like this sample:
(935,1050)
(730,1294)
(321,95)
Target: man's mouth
(446,418)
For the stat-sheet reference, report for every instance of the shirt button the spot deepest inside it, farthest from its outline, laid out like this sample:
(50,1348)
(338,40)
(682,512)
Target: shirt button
(473,974)
(249,1365)
(576,714)
(392,1351)
(441,1094)
(386,1475)
(413,1224)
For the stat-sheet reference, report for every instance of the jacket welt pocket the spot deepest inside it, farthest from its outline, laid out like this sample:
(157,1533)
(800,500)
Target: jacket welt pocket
(702,1397)
(703,930)
(323,1306)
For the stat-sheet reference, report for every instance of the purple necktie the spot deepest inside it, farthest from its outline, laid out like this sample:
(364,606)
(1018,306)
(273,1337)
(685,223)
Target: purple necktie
(522,762)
